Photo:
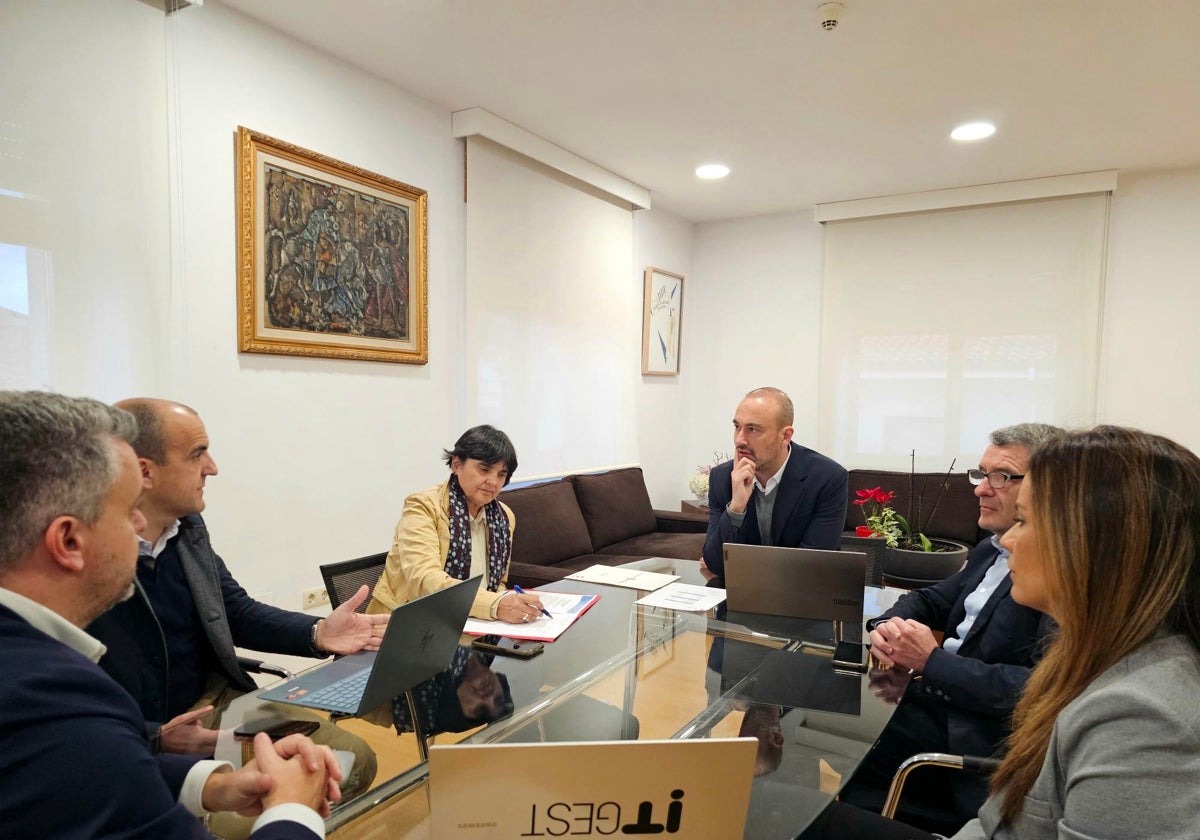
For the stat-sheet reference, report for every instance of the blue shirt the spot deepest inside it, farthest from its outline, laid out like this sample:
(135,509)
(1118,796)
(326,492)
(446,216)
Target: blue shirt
(976,600)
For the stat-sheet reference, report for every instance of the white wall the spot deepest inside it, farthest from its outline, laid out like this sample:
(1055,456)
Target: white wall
(83,185)
(663,240)
(755,317)
(756,283)
(316,454)
(1150,361)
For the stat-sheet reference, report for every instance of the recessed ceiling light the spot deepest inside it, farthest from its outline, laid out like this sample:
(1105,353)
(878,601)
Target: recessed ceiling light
(973,131)
(712,170)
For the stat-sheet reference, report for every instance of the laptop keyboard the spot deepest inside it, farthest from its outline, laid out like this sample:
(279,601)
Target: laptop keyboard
(344,694)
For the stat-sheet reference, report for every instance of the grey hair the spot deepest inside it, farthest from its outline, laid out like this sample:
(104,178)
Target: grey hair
(55,459)
(1030,435)
(787,414)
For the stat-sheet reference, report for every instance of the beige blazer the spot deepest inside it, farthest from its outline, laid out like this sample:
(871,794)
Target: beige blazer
(416,564)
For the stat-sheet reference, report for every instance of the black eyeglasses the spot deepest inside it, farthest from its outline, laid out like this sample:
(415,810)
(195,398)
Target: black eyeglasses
(995,479)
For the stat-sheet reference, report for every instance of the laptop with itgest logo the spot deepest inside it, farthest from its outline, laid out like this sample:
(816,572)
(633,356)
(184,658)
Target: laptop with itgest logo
(419,643)
(691,790)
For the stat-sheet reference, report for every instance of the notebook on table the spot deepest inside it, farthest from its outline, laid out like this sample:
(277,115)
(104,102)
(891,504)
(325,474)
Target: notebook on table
(419,642)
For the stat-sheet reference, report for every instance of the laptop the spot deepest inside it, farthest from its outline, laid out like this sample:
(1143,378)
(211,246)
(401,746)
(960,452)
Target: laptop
(795,582)
(420,641)
(690,789)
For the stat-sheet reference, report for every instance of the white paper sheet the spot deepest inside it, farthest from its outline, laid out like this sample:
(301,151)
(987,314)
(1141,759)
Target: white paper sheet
(564,609)
(685,597)
(629,578)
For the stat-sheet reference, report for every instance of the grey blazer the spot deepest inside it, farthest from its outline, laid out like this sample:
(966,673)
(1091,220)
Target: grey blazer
(1124,757)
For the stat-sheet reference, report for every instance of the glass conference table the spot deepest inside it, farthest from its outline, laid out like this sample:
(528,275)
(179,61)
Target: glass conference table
(624,671)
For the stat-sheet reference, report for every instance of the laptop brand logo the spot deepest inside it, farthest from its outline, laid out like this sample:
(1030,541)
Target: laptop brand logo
(425,640)
(845,602)
(603,818)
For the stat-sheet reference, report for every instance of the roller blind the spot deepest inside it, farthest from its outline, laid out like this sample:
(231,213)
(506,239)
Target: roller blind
(552,318)
(938,327)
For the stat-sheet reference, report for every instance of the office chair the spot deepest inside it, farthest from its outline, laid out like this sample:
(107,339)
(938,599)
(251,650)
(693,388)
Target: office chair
(343,579)
(969,763)
(257,666)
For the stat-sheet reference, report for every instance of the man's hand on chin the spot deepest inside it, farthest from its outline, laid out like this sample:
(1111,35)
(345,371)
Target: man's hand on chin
(742,483)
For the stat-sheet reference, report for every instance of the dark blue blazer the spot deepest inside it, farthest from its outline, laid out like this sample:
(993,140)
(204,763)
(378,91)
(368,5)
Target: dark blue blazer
(137,652)
(74,758)
(977,687)
(810,507)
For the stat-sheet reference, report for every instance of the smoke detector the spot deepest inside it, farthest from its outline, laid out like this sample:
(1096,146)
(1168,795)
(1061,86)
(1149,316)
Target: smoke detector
(829,15)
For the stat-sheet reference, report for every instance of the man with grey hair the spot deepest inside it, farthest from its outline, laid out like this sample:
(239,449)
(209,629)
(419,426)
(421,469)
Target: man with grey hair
(968,685)
(74,757)
(774,491)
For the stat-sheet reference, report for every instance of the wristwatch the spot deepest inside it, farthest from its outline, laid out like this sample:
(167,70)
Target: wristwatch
(312,641)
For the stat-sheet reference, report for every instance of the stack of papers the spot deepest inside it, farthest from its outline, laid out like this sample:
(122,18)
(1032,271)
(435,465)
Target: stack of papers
(630,578)
(685,597)
(564,609)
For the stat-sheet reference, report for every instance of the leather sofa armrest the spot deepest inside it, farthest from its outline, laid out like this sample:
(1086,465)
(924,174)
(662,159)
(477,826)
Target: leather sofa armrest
(673,522)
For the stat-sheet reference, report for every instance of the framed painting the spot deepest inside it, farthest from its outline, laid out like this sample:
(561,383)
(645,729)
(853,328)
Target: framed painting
(661,321)
(331,257)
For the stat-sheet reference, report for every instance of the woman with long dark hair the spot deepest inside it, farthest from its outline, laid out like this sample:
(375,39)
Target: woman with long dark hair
(1106,736)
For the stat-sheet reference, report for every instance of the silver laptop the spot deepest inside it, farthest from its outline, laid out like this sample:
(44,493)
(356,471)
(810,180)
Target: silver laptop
(419,643)
(691,790)
(795,582)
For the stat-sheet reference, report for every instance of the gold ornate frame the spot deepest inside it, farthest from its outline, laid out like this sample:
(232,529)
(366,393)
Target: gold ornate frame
(318,271)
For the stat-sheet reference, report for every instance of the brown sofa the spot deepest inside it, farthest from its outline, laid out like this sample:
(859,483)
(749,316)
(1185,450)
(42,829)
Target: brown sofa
(581,520)
(957,514)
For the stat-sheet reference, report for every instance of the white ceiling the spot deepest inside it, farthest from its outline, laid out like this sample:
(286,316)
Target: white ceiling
(649,89)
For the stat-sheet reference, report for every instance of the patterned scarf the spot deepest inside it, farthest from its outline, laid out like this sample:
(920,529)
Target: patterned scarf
(458,558)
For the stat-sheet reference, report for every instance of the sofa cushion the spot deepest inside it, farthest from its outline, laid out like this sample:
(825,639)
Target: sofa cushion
(550,526)
(679,546)
(615,505)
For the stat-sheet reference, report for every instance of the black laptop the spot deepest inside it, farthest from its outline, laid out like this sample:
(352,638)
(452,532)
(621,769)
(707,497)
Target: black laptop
(420,641)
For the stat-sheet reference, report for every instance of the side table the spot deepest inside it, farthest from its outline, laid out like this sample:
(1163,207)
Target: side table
(692,506)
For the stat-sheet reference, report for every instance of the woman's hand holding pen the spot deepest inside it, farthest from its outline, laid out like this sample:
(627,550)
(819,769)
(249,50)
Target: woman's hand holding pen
(520,607)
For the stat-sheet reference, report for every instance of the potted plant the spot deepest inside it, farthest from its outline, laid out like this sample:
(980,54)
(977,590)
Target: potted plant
(698,483)
(911,557)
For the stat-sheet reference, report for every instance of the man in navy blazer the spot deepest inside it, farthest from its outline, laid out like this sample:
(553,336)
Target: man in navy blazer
(172,644)
(968,685)
(773,492)
(74,758)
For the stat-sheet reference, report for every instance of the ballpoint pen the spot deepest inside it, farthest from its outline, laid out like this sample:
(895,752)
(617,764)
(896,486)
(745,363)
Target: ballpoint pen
(521,591)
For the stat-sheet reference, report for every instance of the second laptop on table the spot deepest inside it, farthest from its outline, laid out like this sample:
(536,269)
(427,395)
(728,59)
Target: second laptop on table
(420,641)
(795,582)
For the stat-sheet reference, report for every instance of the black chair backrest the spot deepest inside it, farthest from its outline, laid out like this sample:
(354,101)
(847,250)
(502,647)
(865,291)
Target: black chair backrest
(343,579)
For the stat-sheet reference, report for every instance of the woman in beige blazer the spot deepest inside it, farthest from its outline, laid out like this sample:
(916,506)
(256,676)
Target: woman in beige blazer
(459,529)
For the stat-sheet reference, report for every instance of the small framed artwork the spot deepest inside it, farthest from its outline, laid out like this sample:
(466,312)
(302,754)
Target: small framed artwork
(661,321)
(331,257)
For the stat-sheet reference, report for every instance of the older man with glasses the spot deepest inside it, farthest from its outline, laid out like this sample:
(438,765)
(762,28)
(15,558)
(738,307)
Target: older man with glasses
(964,689)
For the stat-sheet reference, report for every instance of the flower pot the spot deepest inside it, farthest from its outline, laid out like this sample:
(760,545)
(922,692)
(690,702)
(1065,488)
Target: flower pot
(916,569)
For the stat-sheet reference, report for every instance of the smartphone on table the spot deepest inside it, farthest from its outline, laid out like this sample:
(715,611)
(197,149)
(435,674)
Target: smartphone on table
(504,646)
(850,656)
(276,728)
